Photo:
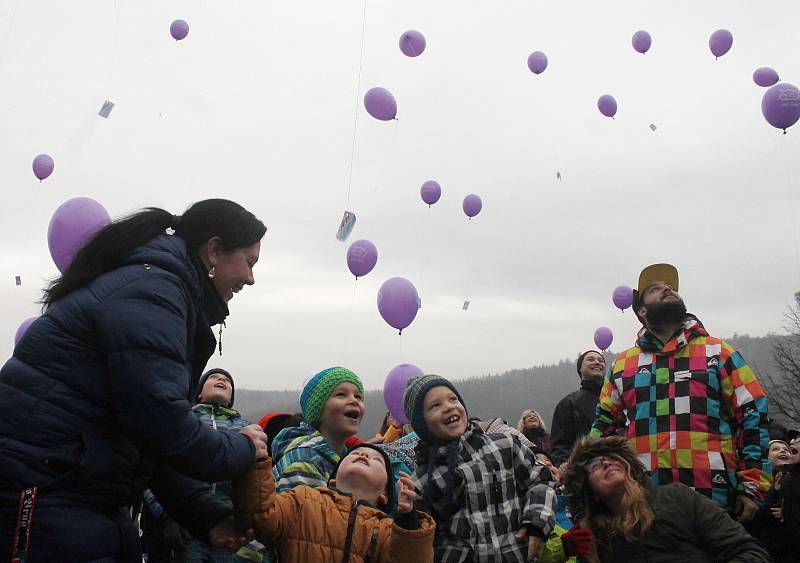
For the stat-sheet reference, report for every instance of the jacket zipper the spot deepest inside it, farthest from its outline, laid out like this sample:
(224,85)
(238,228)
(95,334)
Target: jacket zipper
(351,522)
(214,426)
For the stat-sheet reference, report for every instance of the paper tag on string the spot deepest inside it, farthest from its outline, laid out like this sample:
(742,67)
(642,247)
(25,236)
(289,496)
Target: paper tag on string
(105,110)
(466,305)
(18,280)
(653,127)
(346,226)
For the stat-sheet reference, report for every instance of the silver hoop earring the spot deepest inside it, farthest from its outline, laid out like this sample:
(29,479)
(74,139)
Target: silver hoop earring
(211,272)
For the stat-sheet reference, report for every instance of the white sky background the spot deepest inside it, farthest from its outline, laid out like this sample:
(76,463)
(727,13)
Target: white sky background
(257,105)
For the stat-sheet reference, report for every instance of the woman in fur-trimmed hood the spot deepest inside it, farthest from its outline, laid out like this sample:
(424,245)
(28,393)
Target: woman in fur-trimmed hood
(630,520)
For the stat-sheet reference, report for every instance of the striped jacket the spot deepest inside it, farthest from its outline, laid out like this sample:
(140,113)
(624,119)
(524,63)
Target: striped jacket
(303,457)
(499,488)
(696,413)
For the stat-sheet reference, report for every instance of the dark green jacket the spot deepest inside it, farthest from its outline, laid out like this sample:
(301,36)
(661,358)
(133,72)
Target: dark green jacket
(690,527)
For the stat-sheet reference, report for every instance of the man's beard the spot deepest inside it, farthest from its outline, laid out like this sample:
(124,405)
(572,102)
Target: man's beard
(665,314)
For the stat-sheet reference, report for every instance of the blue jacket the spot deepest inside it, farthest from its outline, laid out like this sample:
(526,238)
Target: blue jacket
(99,389)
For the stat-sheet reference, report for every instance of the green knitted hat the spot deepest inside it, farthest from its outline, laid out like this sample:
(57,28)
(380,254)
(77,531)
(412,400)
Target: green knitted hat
(319,388)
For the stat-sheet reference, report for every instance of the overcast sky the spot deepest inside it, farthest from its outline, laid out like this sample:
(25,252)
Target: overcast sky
(258,105)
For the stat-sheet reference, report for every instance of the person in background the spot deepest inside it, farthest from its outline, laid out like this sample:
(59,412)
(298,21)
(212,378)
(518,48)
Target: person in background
(692,408)
(575,413)
(533,428)
(777,523)
(620,516)
(95,403)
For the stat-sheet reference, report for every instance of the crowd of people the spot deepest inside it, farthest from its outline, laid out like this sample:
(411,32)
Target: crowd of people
(118,445)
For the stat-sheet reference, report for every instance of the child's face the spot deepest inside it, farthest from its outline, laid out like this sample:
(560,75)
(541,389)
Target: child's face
(343,411)
(444,414)
(366,467)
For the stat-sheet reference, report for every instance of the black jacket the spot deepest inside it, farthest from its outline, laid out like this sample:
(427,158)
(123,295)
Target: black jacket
(573,418)
(98,394)
(689,527)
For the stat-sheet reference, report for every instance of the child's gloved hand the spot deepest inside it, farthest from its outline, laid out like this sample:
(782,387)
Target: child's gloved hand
(406,493)
(577,542)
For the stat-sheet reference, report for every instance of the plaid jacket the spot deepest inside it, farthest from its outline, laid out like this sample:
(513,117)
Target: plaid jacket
(696,413)
(304,458)
(498,489)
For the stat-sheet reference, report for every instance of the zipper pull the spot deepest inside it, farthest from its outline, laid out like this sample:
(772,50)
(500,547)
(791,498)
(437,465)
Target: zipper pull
(220,336)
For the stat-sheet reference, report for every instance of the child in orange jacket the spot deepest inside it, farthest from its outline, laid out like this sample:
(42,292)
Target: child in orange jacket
(343,522)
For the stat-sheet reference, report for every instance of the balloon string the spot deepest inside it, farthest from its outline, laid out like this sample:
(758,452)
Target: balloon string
(784,152)
(358,94)
(347,333)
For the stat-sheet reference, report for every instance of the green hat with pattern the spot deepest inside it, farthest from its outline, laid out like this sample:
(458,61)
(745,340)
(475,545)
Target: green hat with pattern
(319,389)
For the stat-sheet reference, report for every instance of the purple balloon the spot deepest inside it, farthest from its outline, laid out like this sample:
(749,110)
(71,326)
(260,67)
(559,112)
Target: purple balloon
(720,42)
(622,297)
(781,105)
(398,302)
(43,166)
(179,29)
(472,205)
(73,225)
(537,62)
(430,192)
(394,387)
(361,257)
(380,104)
(765,76)
(641,41)
(412,43)
(22,328)
(603,337)
(607,105)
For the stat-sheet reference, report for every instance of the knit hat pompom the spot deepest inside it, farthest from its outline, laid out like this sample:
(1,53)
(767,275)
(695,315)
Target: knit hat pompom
(414,399)
(319,388)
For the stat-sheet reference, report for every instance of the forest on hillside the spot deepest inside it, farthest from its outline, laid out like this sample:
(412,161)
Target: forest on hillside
(504,394)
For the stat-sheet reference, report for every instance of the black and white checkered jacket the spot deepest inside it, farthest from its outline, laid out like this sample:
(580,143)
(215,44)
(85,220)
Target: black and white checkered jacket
(499,487)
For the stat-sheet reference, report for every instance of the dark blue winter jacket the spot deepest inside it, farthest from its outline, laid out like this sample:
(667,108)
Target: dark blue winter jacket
(99,389)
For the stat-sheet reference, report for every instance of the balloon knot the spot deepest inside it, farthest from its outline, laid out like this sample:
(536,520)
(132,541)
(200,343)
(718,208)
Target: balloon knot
(400,332)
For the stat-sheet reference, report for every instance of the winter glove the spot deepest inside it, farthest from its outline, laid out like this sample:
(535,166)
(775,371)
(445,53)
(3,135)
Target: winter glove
(577,542)
(175,537)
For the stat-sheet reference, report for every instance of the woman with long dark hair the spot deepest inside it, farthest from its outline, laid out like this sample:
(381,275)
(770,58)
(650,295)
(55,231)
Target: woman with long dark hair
(621,517)
(96,401)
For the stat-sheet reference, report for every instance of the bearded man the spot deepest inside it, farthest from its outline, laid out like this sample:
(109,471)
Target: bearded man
(694,410)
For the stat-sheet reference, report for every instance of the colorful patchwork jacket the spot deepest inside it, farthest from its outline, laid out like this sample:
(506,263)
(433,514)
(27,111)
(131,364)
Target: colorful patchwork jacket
(696,414)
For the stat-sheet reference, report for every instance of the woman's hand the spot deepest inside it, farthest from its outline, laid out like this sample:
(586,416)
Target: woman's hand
(259,439)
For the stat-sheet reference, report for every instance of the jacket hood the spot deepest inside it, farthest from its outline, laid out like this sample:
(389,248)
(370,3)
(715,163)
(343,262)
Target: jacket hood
(291,437)
(170,253)
(270,416)
(692,327)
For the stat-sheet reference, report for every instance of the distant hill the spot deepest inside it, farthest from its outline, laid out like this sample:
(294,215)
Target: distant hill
(505,395)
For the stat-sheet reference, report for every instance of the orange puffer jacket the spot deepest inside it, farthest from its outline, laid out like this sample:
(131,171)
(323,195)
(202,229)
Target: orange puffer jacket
(318,525)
